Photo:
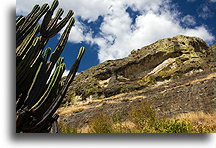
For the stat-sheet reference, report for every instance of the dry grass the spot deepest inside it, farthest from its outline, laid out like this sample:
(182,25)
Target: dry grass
(143,119)
(84,106)
(70,110)
(76,108)
(66,129)
(201,122)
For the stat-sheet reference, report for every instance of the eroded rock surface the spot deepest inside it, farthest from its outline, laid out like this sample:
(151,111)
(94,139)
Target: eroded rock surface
(166,59)
(177,75)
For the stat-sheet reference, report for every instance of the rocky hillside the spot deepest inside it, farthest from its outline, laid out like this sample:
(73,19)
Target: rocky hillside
(175,74)
(163,61)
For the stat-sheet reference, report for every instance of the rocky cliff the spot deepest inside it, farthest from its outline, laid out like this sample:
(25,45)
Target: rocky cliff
(163,61)
(175,74)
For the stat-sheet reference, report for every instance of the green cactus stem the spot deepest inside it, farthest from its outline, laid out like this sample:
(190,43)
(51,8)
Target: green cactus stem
(40,92)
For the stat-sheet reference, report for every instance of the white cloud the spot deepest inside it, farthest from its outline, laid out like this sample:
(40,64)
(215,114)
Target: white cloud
(188,20)
(117,35)
(66,72)
(149,28)
(204,11)
(201,32)
(25,6)
(77,33)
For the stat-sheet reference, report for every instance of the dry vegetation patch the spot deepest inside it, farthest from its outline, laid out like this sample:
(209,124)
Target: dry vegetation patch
(201,122)
(144,119)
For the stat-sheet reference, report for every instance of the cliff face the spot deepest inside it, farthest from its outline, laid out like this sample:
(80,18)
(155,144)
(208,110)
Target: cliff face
(161,62)
(176,75)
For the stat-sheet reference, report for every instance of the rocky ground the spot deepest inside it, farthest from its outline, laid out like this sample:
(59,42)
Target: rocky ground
(170,99)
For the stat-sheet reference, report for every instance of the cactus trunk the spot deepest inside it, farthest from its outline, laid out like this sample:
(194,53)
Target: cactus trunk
(38,95)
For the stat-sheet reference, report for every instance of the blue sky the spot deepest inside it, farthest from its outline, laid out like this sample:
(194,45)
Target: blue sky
(110,29)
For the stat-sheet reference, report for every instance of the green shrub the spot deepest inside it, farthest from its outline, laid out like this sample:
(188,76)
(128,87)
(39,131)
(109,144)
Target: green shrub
(101,124)
(145,119)
(66,129)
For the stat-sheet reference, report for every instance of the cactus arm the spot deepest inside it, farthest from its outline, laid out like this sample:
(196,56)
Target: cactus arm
(21,34)
(48,17)
(43,76)
(19,18)
(30,58)
(56,77)
(24,67)
(29,100)
(59,48)
(57,102)
(21,50)
(45,22)
(19,21)
(34,11)
(54,21)
(61,24)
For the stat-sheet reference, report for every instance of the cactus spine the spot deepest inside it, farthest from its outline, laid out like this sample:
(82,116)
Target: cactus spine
(38,93)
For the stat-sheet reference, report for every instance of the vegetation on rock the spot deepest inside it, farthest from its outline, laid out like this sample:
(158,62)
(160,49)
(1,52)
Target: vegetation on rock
(144,119)
(166,59)
(177,75)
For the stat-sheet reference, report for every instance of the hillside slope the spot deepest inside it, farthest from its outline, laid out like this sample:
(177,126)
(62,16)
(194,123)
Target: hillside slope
(177,75)
(164,60)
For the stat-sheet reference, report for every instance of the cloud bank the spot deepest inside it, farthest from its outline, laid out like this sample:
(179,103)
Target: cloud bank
(119,32)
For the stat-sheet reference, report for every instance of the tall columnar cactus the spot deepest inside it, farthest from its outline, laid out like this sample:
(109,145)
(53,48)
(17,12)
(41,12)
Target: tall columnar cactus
(38,93)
